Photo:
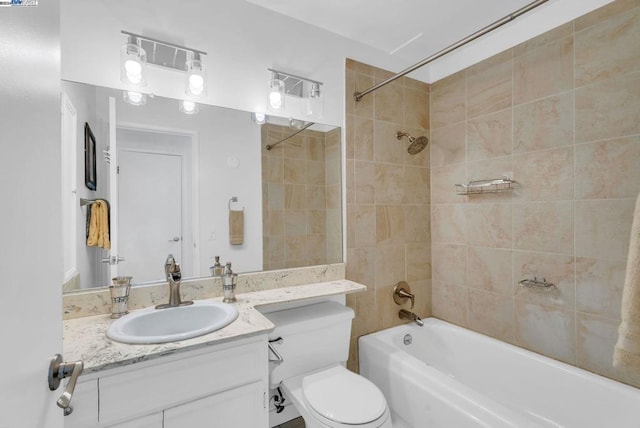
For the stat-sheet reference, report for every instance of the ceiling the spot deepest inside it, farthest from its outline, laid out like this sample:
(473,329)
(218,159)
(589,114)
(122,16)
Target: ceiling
(409,30)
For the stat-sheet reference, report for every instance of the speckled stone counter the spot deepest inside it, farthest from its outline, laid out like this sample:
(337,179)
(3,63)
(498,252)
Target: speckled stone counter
(85,339)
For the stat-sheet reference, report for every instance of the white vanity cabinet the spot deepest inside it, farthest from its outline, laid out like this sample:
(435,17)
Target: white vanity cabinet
(221,385)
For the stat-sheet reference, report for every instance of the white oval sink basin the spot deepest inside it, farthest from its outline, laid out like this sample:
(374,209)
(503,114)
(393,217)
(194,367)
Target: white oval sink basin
(172,324)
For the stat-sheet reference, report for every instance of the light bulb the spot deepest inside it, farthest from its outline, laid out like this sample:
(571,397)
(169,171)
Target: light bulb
(188,107)
(133,67)
(275,100)
(135,97)
(196,84)
(259,118)
(276,94)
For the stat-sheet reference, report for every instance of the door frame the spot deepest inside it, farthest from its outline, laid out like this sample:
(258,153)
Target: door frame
(195,185)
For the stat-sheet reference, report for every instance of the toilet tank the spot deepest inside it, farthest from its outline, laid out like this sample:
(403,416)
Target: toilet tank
(313,337)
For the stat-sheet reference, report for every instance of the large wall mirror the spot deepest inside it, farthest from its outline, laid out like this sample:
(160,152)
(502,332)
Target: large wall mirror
(170,180)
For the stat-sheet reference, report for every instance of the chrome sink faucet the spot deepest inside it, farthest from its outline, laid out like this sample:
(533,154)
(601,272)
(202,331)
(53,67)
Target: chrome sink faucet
(173,275)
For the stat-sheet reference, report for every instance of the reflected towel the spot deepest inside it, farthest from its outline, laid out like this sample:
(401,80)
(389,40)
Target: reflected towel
(236,227)
(99,225)
(627,349)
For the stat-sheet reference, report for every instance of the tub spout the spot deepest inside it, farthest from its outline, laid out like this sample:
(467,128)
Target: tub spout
(408,315)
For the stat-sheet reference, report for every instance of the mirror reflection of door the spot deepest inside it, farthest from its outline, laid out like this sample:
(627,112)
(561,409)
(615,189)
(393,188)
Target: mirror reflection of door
(152,170)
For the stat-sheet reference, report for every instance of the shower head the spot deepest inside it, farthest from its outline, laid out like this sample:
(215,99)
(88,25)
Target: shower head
(416,145)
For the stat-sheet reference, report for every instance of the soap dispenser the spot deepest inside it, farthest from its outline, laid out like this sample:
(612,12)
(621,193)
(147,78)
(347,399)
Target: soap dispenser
(229,281)
(217,269)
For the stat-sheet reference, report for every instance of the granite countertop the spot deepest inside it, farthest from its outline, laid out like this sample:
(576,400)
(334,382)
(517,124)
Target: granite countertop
(85,339)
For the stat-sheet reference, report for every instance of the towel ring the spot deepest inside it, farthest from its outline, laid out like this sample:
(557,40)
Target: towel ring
(234,199)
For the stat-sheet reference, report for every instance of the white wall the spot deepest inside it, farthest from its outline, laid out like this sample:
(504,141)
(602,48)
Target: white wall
(30,191)
(242,41)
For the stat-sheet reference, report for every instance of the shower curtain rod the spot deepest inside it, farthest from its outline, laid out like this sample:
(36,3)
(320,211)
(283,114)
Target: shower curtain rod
(271,146)
(497,24)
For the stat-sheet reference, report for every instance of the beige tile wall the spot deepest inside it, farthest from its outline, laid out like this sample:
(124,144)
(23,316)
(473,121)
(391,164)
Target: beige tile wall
(561,115)
(301,196)
(388,196)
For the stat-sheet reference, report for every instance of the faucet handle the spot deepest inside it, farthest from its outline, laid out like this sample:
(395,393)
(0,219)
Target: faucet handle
(402,292)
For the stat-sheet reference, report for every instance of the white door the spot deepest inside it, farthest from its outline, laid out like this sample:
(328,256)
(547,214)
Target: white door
(31,215)
(150,212)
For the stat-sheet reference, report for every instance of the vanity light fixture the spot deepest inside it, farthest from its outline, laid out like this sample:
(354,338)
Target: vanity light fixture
(188,107)
(195,78)
(140,51)
(133,59)
(259,118)
(315,103)
(276,92)
(283,83)
(134,98)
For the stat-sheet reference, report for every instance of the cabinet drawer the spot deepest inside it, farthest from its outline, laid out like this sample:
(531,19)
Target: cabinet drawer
(151,421)
(241,407)
(156,387)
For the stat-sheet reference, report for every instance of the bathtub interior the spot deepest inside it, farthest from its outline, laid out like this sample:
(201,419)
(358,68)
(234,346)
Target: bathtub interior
(489,382)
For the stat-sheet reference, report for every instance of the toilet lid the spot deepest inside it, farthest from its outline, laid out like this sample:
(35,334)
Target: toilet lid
(342,396)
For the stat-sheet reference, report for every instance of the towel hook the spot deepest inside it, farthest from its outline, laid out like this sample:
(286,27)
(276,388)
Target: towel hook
(234,199)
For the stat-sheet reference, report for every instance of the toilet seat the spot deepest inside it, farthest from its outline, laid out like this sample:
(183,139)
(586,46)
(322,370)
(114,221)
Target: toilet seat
(338,398)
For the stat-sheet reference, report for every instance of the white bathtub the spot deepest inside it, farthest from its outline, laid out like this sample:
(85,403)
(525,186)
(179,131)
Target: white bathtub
(449,377)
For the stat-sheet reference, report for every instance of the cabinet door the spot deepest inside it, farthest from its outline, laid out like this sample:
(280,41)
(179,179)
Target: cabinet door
(242,407)
(151,421)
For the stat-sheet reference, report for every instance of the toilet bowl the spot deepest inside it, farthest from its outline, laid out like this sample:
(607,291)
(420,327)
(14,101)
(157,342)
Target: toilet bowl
(309,347)
(337,398)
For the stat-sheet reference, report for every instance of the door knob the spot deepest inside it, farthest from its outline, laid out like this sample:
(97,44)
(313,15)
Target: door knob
(175,239)
(59,370)
(113,260)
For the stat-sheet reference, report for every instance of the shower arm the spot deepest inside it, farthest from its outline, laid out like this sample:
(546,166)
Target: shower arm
(489,28)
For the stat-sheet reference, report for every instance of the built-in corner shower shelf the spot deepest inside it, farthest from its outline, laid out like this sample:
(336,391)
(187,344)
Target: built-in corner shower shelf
(495,185)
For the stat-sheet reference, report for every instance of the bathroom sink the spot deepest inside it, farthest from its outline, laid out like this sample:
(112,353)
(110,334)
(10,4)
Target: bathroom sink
(172,324)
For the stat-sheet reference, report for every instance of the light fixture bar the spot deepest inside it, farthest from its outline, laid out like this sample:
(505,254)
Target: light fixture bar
(283,73)
(172,45)
(164,54)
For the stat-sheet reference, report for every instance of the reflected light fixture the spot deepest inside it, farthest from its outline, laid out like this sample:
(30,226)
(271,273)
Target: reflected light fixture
(134,98)
(296,123)
(195,78)
(283,83)
(259,118)
(276,92)
(188,107)
(133,59)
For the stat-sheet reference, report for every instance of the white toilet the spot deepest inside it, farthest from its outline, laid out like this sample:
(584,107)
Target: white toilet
(313,349)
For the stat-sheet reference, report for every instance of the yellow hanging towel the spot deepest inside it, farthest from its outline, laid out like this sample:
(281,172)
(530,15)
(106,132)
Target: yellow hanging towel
(99,225)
